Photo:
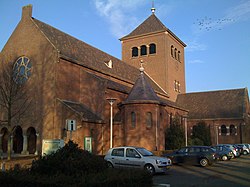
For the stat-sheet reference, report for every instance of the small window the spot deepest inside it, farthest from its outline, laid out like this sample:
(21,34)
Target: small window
(152,49)
(172,51)
(175,53)
(149,119)
(134,52)
(118,152)
(133,119)
(232,130)
(143,50)
(177,86)
(223,130)
(178,57)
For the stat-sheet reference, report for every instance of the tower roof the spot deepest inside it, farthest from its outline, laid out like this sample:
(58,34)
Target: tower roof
(150,26)
(142,91)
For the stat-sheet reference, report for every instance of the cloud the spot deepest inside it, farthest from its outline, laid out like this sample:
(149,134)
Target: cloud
(195,46)
(119,14)
(240,12)
(196,61)
(232,15)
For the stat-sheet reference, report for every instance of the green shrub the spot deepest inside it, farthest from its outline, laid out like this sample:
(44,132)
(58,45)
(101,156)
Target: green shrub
(69,160)
(201,134)
(71,166)
(175,135)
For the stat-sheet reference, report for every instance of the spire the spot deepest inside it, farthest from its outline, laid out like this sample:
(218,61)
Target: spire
(141,68)
(142,91)
(153,7)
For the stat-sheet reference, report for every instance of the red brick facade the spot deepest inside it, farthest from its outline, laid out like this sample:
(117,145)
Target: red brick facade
(72,80)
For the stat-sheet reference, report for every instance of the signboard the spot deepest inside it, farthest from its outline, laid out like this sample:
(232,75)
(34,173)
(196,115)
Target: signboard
(88,144)
(51,145)
(71,124)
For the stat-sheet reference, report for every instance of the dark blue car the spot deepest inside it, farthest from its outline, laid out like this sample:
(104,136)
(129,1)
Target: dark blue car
(202,155)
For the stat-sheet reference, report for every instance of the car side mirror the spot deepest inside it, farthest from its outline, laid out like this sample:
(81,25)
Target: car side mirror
(137,156)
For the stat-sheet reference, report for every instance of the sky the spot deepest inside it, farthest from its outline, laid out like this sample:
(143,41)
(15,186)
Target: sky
(216,32)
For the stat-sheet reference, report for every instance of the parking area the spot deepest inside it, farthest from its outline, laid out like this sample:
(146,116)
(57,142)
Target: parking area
(233,173)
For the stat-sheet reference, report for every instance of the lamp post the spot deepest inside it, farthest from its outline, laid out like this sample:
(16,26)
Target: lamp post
(111,102)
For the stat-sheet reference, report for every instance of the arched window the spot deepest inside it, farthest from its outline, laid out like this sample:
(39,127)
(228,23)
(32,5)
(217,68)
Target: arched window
(172,51)
(134,52)
(178,57)
(133,119)
(152,48)
(175,53)
(223,130)
(143,50)
(232,130)
(149,119)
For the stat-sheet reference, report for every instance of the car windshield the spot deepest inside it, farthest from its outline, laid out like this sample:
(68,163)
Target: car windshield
(144,152)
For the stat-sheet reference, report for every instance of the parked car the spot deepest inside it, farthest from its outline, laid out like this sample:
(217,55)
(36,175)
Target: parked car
(244,148)
(235,151)
(136,157)
(238,148)
(247,145)
(223,152)
(202,155)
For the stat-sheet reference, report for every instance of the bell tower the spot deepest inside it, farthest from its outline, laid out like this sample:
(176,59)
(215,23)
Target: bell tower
(161,51)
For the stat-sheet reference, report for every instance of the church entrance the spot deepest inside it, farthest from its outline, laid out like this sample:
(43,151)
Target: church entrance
(18,140)
(31,138)
(4,140)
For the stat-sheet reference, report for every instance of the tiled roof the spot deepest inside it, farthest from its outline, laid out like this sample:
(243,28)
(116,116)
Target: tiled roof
(151,25)
(89,56)
(142,92)
(85,113)
(214,104)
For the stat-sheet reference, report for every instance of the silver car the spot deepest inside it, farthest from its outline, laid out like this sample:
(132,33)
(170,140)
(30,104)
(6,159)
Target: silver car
(136,157)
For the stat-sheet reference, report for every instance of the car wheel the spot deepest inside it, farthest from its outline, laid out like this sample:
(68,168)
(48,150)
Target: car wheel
(245,152)
(203,162)
(224,157)
(110,165)
(149,168)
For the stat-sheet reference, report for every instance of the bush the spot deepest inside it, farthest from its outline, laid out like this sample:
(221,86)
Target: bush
(107,178)
(201,134)
(69,160)
(175,135)
(71,166)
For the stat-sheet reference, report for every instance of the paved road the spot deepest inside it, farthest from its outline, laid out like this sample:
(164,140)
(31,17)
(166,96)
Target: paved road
(233,173)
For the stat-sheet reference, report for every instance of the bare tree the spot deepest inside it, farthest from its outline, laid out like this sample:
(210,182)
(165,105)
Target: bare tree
(14,100)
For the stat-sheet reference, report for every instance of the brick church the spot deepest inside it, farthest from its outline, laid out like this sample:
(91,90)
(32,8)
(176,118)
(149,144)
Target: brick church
(76,91)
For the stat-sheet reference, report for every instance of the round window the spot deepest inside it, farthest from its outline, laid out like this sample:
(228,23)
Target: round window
(22,70)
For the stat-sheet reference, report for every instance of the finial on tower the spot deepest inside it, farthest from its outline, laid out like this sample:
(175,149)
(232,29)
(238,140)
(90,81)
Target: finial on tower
(153,7)
(141,68)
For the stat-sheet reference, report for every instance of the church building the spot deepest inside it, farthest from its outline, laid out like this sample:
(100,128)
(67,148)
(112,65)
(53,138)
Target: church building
(76,91)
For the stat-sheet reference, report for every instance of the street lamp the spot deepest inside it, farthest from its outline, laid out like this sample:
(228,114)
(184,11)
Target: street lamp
(111,102)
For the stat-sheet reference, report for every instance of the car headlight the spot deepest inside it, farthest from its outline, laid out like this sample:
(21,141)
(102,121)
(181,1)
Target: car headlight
(158,161)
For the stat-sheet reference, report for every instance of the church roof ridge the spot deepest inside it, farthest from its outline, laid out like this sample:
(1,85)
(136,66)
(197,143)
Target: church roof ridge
(86,55)
(214,104)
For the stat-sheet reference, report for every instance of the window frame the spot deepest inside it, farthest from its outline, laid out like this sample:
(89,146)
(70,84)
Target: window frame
(143,50)
(149,120)
(223,130)
(133,119)
(152,48)
(135,52)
